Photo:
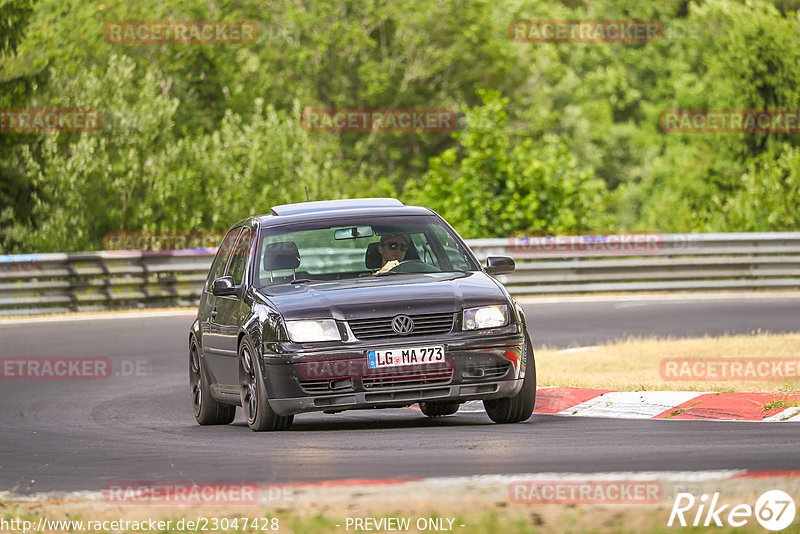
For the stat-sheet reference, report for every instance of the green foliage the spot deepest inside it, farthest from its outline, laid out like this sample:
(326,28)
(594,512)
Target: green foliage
(85,184)
(14,15)
(248,165)
(769,196)
(560,136)
(136,175)
(493,185)
(743,56)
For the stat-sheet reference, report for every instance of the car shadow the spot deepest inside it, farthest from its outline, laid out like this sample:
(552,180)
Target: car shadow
(374,421)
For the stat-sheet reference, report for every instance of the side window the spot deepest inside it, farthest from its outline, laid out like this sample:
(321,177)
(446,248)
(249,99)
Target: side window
(221,259)
(240,254)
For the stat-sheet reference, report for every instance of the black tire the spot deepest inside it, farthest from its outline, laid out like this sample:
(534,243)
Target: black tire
(255,403)
(439,409)
(519,407)
(207,411)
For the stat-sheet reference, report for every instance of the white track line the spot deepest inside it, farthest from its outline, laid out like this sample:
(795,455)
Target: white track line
(789,414)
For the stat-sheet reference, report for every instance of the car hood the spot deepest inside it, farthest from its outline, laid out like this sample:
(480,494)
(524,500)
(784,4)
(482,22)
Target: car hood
(361,298)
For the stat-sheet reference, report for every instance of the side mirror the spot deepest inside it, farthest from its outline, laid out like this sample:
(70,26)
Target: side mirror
(499,265)
(223,286)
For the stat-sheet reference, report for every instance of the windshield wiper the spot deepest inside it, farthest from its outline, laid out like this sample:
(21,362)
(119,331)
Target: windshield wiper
(304,280)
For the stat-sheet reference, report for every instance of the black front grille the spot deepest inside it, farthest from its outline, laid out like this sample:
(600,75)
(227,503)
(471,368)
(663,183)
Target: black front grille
(439,376)
(325,385)
(487,371)
(315,386)
(424,325)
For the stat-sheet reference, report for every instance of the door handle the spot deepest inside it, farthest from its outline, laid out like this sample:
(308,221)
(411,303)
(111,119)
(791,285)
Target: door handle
(214,313)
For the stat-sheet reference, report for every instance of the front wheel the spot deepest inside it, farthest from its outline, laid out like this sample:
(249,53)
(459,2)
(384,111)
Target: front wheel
(255,403)
(519,407)
(207,411)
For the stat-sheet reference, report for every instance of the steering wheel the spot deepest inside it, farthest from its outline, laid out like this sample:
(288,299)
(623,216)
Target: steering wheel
(413,266)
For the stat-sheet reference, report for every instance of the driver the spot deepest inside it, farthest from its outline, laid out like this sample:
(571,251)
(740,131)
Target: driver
(392,249)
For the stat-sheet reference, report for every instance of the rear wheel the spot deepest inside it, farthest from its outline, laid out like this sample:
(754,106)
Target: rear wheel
(519,407)
(439,409)
(255,403)
(207,411)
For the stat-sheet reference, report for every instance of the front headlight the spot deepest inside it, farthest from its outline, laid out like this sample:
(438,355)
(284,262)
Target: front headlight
(485,317)
(314,330)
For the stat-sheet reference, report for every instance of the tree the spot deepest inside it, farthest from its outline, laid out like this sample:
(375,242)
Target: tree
(14,15)
(769,195)
(492,185)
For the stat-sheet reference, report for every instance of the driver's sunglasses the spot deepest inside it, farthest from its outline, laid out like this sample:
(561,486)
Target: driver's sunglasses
(394,246)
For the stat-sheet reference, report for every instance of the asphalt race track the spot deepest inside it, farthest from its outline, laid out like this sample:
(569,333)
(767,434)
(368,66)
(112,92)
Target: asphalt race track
(589,321)
(137,425)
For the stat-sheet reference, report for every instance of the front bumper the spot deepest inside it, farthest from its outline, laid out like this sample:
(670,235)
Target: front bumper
(396,397)
(478,366)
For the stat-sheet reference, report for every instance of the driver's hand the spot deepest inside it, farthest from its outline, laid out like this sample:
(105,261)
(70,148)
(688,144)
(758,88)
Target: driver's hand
(388,266)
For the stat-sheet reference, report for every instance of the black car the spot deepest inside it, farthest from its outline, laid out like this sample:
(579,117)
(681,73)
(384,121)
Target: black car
(351,304)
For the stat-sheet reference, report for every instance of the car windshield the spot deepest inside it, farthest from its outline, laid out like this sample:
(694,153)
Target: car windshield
(357,247)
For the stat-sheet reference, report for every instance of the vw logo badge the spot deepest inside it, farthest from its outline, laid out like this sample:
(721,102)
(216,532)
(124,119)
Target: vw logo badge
(403,324)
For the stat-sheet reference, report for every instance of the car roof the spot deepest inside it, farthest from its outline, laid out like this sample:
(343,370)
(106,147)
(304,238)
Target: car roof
(332,209)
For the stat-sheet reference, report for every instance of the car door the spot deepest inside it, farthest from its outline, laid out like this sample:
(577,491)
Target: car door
(230,311)
(209,327)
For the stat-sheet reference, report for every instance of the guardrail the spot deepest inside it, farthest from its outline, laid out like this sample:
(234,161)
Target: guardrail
(36,283)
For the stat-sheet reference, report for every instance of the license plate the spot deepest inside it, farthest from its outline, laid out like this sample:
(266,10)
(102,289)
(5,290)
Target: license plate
(377,359)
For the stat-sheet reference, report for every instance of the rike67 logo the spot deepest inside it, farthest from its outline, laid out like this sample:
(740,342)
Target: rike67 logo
(774,510)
